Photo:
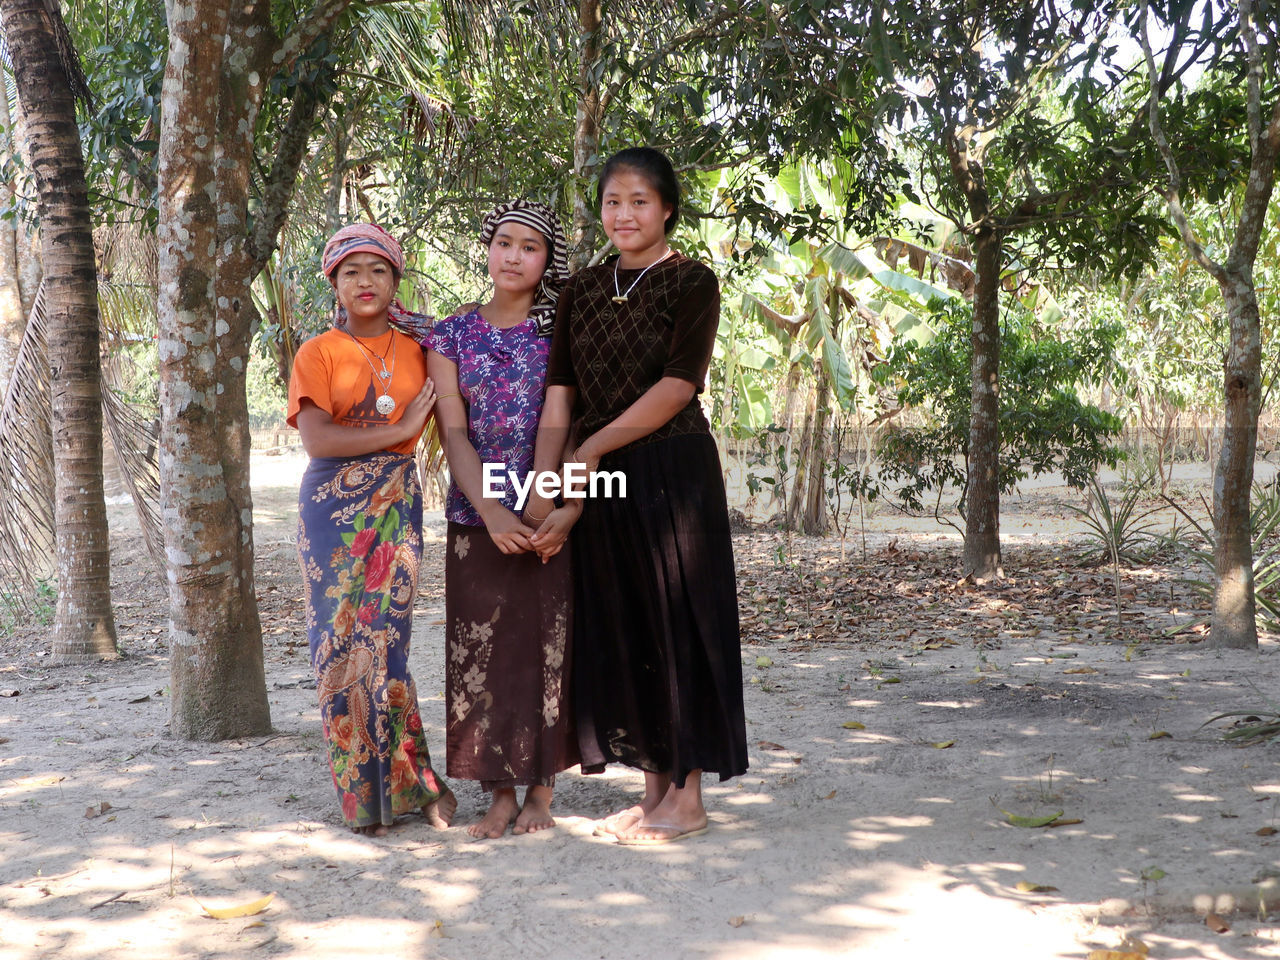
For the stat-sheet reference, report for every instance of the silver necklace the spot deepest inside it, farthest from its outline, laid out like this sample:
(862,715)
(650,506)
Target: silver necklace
(385,404)
(618,295)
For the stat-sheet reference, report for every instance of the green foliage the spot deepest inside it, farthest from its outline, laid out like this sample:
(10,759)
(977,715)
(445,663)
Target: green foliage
(1120,528)
(1044,425)
(123,45)
(265,393)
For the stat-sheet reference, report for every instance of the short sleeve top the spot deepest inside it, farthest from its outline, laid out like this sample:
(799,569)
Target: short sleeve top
(335,371)
(613,352)
(501,376)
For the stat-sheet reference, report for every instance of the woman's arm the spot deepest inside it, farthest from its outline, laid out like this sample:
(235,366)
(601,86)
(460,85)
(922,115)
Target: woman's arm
(321,437)
(549,449)
(654,409)
(503,526)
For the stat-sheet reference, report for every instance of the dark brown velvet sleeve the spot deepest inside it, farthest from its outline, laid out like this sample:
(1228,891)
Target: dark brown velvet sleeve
(696,317)
(559,361)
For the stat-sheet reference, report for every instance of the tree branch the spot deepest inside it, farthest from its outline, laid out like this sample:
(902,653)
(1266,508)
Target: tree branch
(311,28)
(1173,194)
(278,189)
(1264,149)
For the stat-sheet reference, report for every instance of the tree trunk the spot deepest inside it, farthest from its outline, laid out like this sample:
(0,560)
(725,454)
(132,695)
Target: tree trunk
(30,269)
(1234,609)
(814,520)
(982,491)
(789,402)
(84,628)
(13,319)
(586,135)
(217,679)
(802,456)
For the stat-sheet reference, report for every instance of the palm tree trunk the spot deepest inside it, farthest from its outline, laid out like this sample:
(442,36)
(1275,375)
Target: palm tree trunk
(1233,623)
(84,627)
(982,493)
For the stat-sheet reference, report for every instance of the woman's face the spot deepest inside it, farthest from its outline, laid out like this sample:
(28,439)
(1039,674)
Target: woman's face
(366,285)
(634,215)
(517,258)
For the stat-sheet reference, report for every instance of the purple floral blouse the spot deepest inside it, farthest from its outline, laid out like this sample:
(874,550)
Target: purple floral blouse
(501,376)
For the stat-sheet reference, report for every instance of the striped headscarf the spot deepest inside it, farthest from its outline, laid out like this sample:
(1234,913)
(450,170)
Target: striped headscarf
(371,238)
(542,218)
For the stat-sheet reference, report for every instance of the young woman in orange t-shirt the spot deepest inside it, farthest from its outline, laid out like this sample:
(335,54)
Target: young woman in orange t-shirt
(360,397)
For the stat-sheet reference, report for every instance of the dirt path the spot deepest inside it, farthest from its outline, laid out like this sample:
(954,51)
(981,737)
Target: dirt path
(892,715)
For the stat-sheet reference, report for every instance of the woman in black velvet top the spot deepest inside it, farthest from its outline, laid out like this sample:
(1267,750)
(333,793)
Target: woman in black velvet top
(657,671)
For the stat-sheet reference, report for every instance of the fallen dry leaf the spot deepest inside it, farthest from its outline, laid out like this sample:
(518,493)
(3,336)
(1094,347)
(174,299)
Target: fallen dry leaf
(1160,735)
(1268,832)
(763,662)
(943,744)
(437,931)
(1131,948)
(1026,886)
(853,725)
(770,745)
(737,921)
(1216,923)
(1066,823)
(1030,822)
(1080,670)
(830,796)
(96,810)
(243,910)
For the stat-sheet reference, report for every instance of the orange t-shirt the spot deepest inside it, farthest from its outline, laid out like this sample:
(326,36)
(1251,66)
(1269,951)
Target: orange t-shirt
(333,372)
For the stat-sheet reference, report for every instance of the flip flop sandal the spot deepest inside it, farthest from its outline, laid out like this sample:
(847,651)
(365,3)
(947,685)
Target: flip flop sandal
(659,841)
(602,828)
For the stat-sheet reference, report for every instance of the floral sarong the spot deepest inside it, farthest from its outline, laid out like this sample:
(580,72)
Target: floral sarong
(359,544)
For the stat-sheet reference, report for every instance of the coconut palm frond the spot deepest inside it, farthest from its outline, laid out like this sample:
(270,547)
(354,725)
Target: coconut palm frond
(135,437)
(431,466)
(26,470)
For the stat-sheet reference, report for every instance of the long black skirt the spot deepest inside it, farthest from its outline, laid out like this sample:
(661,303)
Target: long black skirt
(657,674)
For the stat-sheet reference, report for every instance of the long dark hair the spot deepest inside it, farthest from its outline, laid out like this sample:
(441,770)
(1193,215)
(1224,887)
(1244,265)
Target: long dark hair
(654,166)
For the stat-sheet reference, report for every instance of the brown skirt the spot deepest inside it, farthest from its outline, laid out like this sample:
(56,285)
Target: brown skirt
(507,651)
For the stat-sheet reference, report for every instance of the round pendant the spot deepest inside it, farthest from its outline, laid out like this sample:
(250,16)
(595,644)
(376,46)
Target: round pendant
(385,404)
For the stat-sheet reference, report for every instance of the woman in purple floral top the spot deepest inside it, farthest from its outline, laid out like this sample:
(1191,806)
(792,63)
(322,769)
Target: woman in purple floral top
(506,610)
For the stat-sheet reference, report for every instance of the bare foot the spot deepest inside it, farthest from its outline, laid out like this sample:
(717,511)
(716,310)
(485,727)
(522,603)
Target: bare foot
(535,815)
(372,830)
(618,823)
(440,814)
(500,814)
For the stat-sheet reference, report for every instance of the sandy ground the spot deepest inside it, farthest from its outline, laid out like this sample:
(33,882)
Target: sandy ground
(893,717)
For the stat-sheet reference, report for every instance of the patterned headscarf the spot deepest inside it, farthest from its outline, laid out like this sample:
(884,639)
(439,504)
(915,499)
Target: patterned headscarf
(542,218)
(371,238)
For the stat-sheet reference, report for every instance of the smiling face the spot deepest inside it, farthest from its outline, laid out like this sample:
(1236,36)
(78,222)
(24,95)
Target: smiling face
(517,258)
(366,284)
(634,216)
